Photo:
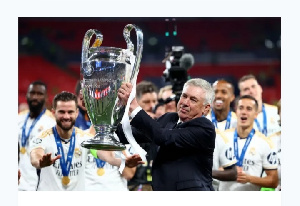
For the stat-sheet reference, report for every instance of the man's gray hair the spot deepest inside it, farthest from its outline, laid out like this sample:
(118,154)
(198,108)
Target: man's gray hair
(206,86)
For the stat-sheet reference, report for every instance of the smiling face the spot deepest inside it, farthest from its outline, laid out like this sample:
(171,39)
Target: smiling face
(246,112)
(65,114)
(191,103)
(223,95)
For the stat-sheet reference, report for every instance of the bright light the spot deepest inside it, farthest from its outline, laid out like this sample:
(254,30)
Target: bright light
(269,44)
(24,41)
(152,41)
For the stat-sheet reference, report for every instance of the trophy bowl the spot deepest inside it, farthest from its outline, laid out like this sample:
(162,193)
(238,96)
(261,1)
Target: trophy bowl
(103,70)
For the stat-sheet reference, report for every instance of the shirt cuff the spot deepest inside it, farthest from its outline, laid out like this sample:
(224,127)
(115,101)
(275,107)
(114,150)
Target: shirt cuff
(122,166)
(135,111)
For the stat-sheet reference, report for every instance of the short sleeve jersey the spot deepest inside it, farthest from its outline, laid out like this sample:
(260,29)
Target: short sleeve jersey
(29,176)
(260,154)
(221,125)
(51,176)
(111,180)
(223,154)
(272,120)
(276,139)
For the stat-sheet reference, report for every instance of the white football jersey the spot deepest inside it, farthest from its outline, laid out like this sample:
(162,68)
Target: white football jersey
(221,125)
(223,154)
(276,138)
(29,178)
(111,180)
(272,120)
(260,154)
(51,176)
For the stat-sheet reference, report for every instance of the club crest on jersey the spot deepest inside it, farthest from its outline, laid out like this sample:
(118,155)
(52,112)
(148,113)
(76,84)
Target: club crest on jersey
(252,151)
(41,128)
(229,153)
(272,158)
(77,152)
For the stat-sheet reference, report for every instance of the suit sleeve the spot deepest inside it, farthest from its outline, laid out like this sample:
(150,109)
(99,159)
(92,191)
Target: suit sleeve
(198,133)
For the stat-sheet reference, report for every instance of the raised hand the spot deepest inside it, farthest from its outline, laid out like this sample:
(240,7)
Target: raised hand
(124,92)
(133,161)
(46,160)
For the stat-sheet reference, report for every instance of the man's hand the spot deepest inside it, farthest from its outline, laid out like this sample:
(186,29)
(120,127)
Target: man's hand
(124,92)
(19,176)
(46,160)
(133,161)
(242,177)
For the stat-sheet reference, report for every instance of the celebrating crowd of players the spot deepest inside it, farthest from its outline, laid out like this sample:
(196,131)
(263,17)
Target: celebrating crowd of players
(246,154)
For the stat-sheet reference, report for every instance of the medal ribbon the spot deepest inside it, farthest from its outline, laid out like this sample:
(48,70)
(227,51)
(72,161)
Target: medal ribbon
(214,119)
(26,136)
(264,130)
(65,164)
(100,163)
(236,148)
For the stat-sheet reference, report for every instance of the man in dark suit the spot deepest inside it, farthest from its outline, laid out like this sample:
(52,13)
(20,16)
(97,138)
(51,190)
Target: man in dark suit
(185,139)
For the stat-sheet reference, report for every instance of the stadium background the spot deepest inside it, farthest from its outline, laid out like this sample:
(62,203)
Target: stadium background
(49,49)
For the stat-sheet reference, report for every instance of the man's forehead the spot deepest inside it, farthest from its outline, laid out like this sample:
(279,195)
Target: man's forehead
(249,82)
(246,102)
(36,87)
(193,91)
(224,84)
(149,95)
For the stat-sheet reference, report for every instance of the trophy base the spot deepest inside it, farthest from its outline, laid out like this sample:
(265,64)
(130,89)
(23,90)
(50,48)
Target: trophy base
(101,143)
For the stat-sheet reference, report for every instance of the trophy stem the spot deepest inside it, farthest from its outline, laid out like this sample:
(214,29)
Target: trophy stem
(103,140)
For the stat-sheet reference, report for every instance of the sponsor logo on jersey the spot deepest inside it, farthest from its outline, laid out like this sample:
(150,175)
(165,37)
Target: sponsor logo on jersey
(229,153)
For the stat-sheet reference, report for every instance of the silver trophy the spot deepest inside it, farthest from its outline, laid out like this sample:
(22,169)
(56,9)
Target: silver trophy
(103,69)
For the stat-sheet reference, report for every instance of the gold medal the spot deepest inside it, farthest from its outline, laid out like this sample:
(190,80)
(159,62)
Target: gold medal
(65,180)
(100,171)
(23,150)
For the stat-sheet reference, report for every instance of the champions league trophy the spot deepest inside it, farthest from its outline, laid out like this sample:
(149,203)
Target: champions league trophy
(103,69)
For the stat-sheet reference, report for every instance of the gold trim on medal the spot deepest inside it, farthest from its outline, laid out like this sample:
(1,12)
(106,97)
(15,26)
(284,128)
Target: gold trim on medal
(65,180)
(100,171)
(23,150)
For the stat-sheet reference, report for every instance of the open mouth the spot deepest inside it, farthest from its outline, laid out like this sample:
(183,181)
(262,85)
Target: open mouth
(219,102)
(244,119)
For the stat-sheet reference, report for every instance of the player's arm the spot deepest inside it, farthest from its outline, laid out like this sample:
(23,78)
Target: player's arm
(109,156)
(227,174)
(39,159)
(271,180)
(128,172)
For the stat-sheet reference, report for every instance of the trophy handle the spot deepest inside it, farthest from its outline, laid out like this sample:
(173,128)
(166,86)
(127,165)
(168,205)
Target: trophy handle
(88,70)
(130,46)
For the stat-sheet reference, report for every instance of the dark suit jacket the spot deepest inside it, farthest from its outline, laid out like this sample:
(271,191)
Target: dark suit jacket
(185,152)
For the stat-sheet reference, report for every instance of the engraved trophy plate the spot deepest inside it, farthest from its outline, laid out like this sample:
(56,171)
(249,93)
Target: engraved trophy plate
(103,69)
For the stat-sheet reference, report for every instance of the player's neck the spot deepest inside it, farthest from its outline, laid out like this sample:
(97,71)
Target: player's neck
(243,132)
(64,134)
(221,114)
(35,114)
(260,103)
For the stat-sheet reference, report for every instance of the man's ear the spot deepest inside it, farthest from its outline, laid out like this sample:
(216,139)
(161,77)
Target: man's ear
(53,111)
(206,109)
(232,98)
